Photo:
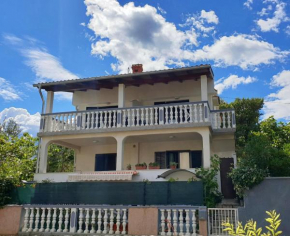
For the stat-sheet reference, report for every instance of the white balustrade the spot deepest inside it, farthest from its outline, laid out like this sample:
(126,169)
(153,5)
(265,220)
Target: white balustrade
(177,221)
(90,220)
(166,115)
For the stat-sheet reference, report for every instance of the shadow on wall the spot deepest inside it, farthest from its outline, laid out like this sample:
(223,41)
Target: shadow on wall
(271,194)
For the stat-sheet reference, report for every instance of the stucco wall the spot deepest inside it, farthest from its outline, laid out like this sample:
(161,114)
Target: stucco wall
(146,95)
(134,152)
(271,194)
(145,151)
(10,220)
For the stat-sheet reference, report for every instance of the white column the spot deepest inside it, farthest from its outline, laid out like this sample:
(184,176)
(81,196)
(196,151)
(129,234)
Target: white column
(120,153)
(43,156)
(49,102)
(121,95)
(203,87)
(206,149)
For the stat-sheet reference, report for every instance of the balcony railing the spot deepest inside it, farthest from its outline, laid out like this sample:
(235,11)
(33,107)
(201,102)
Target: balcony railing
(146,116)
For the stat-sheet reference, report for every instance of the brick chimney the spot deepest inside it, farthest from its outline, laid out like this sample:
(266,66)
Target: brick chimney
(137,68)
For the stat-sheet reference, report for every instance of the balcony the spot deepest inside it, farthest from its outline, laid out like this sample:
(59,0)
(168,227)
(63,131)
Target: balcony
(193,114)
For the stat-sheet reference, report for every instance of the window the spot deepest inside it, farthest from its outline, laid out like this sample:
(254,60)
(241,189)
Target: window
(195,159)
(164,159)
(105,162)
(160,158)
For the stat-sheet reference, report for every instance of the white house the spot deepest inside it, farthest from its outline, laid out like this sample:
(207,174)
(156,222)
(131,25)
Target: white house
(156,117)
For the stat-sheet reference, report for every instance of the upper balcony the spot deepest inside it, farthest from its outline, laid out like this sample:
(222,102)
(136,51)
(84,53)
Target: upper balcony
(177,115)
(175,98)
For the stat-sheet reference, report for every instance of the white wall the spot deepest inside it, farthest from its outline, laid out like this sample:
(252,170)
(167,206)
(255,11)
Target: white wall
(145,94)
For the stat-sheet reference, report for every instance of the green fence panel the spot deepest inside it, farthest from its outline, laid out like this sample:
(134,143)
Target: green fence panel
(112,193)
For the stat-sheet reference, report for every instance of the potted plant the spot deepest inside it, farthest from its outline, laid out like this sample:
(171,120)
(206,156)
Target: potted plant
(141,166)
(154,165)
(173,165)
(129,167)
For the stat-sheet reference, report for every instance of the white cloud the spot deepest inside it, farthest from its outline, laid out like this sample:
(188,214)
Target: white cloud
(202,23)
(46,66)
(248,4)
(27,122)
(162,11)
(232,82)
(133,34)
(265,11)
(287,30)
(63,96)
(137,35)
(279,16)
(278,104)
(7,91)
(245,51)
(209,16)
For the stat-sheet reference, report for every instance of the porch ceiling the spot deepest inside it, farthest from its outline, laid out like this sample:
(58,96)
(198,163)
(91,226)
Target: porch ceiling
(172,137)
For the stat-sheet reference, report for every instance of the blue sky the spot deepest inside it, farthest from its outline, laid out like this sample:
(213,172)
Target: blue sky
(246,42)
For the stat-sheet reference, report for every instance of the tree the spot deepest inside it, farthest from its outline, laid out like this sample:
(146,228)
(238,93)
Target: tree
(17,160)
(10,128)
(248,112)
(60,159)
(266,153)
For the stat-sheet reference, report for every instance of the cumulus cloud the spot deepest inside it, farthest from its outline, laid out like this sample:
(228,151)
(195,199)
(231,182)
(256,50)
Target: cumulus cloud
(137,35)
(249,3)
(45,66)
(272,23)
(134,34)
(209,16)
(7,91)
(202,23)
(245,51)
(232,82)
(27,122)
(278,104)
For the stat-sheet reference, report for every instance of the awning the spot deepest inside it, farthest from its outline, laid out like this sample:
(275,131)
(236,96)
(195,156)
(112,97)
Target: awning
(102,176)
(169,172)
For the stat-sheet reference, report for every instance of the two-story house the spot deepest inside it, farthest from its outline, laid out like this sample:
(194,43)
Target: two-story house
(169,117)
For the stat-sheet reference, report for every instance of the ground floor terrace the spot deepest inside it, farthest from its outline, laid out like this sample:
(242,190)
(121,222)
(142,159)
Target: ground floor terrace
(110,154)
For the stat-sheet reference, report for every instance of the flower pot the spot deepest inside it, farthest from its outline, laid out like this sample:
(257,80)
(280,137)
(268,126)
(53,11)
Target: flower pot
(154,167)
(172,167)
(128,168)
(141,167)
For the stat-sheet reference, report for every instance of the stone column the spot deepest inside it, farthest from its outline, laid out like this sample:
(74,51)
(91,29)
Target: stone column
(120,152)
(121,96)
(49,102)
(43,156)
(206,148)
(203,88)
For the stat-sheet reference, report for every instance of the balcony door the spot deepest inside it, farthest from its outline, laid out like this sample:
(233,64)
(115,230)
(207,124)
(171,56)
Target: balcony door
(105,162)
(174,110)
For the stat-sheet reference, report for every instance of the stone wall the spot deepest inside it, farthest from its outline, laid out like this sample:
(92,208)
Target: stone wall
(10,217)
(271,194)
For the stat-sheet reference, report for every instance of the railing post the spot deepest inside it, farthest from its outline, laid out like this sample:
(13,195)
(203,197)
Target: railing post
(73,220)
(206,113)
(119,118)
(202,213)
(161,115)
(233,119)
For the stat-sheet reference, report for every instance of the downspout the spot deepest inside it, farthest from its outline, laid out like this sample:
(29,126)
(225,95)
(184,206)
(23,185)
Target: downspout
(39,141)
